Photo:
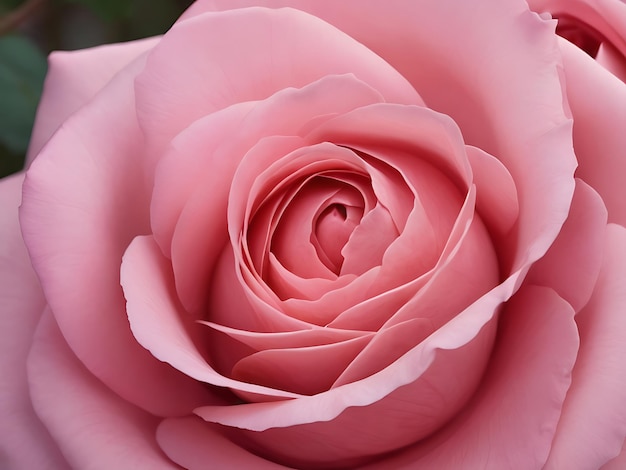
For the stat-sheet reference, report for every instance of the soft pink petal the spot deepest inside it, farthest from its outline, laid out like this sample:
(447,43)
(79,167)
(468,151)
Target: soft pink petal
(573,262)
(597,396)
(305,370)
(512,419)
(24,442)
(468,246)
(291,241)
(369,241)
(161,325)
(84,200)
(598,102)
(618,463)
(233,303)
(288,339)
(94,428)
(289,285)
(414,133)
(195,176)
(190,74)
(496,195)
(385,347)
(73,79)
(514,113)
(605,17)
(197,445)
(612,60)
(457,333)
(376,414)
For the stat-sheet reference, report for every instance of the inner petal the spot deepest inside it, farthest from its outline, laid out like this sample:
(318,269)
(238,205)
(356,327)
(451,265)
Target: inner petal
(333,227)
(315,224)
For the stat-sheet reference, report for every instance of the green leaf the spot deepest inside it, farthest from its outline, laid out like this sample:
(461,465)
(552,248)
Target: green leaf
(22,71)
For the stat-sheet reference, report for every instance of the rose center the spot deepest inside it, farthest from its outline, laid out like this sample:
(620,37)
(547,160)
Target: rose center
(333,228)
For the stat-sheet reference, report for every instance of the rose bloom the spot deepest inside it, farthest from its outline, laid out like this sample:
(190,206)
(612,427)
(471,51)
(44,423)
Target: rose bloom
(318,234)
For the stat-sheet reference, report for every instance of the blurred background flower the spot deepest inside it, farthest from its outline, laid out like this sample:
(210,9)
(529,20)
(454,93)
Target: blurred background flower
(31,29)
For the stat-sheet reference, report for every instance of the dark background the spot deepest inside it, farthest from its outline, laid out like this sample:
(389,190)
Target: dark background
(31,29)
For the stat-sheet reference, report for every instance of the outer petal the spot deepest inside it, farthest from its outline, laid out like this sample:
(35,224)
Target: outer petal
(618,463)
(597,397)
(599,123)
(191,74)
(195,445)
(84,200)
(24,442)
(94,428)
(512,420)
(74,78)
(161,325)
(573,262)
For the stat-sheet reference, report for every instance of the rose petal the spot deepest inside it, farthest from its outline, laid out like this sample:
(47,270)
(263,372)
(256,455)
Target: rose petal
(192,181)
(464,276)
(393,415)
(612,60)
(597,396)
(512,420)
(232,303)
(73,79)
(288,339)
(385,347)
(531,138)
(605,17)
(72,402)
(25,442)
(194,444)
(457,333)
(496,195)
(159,324)
(599,123)
(84,200)
(572,264)
(203,78)
(304,370)
(617,463)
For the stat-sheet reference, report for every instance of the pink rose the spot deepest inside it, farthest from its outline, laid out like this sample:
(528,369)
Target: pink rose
(345,234)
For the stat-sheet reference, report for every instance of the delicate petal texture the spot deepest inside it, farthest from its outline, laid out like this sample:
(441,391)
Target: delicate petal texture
(599,123)
(263,44)
(572,264)
(158,322)
(301,234)
(193,180)
(512,419)
(474,325)
(73,79)
(612,60)
(84,200)
(604,18)
(409,36)
(94,428)
(597,395)
(197,445)
(25,443)
(438,382)
(496,200)
(618,463)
